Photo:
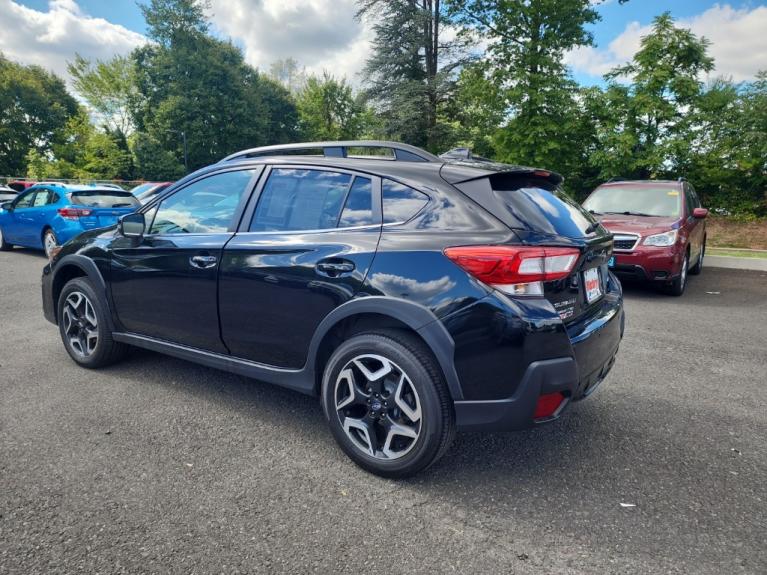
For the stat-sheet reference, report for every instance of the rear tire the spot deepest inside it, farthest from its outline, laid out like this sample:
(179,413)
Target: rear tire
(4,246)
(83,325)
(387,404)
(49,242)
(698,267)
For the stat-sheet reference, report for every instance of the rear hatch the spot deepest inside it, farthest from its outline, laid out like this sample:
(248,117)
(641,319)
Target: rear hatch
(532,203)
(101,208)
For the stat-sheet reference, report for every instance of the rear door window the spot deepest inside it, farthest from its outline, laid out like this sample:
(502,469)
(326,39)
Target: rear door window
(41,198)
(296,199)
(400,202)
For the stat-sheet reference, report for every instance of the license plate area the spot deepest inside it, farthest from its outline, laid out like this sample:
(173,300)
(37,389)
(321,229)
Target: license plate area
(592,285)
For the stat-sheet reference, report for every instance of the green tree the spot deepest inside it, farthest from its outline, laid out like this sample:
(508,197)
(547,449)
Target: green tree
(83,152)
(328,109)
(34,109)
(646,127)
(525,80)
(108,87)
(728,158)
(412,73)
(189,82)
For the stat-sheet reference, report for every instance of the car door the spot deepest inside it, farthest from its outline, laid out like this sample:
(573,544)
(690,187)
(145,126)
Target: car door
(37,216)
(164,284)
(305,246)
(20,222)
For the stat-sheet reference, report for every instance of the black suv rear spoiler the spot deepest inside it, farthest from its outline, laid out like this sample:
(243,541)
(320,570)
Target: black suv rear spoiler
(456,172)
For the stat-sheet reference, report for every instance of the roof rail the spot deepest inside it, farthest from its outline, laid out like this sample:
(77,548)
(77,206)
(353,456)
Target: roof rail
(401,152)
(616,179)
(681,179)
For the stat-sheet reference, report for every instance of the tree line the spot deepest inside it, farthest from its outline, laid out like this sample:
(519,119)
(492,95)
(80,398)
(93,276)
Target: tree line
(482,74)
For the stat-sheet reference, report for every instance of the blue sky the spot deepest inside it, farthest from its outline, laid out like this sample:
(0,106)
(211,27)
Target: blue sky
(323,34)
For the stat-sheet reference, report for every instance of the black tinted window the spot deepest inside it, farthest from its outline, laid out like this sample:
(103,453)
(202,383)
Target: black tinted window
(205,206)
(358,210)
(295,199)
(400,202)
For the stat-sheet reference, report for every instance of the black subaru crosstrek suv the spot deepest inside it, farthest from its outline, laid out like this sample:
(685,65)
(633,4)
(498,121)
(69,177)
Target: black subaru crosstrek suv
(416,295)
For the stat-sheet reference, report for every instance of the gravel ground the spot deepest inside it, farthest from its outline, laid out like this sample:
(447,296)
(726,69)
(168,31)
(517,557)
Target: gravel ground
(160,466)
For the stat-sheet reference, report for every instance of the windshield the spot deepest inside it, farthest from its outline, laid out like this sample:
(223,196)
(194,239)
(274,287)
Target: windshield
(635,200)
(105,199)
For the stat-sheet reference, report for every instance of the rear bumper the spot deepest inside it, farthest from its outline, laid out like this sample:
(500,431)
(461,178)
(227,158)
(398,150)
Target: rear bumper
(594,346)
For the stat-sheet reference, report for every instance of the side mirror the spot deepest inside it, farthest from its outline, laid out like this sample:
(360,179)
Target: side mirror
(699,213)
(132,225)
(7,206)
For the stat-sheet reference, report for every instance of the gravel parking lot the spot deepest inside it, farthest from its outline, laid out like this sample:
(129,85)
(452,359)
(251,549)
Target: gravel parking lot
(160,466)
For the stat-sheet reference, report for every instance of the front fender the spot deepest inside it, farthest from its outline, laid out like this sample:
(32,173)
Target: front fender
(57,275)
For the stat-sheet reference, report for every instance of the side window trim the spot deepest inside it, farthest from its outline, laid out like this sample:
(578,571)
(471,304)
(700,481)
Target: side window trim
(250,209)
(154,206)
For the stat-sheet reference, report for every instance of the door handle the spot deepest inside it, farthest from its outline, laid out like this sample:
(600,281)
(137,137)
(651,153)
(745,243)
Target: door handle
(334,269)
(203,262)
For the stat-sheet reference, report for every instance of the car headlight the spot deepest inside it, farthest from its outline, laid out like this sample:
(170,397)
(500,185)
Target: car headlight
(664,239)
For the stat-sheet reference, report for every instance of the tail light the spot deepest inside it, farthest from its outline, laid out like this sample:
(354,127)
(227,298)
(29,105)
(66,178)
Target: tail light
(515,270)
(73,213)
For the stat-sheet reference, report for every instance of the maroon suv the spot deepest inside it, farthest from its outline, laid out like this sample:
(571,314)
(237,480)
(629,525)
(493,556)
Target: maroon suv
(659,229)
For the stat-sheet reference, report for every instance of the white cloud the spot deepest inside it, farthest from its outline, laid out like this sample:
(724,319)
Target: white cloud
(320,34)
(49,39)
(738,43)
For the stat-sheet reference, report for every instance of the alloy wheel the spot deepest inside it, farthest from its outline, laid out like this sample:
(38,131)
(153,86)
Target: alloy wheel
(378,407)
(49,243)
(80,324)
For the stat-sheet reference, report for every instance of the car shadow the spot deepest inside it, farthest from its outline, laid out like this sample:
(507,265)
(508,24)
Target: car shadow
(551,456)
(28,252)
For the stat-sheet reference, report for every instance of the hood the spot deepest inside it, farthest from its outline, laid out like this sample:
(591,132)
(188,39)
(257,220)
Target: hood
(641,225)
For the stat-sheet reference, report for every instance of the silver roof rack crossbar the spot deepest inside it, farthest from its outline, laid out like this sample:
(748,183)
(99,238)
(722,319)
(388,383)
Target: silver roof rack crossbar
(400,152)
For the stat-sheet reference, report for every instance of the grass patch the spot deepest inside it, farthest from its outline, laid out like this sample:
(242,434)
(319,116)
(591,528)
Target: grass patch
(735,253)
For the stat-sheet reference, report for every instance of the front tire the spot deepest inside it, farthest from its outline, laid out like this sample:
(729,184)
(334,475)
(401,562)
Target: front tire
(4,246)
(676,287)
(387,403)
(83,326)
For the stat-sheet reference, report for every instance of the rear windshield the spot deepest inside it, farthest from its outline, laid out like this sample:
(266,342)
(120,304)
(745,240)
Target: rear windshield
(635,200)
(539,205)
(105,199)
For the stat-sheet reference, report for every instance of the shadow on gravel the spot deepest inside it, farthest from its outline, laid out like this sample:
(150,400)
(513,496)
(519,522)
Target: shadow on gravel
(28,252)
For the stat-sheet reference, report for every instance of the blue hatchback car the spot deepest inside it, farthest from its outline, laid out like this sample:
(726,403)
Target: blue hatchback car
(47,215)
